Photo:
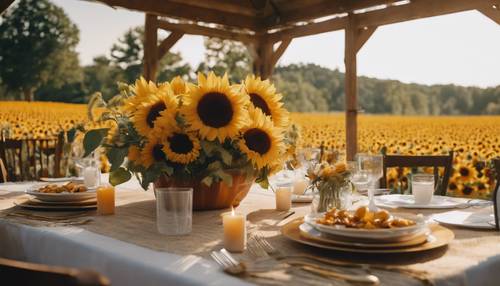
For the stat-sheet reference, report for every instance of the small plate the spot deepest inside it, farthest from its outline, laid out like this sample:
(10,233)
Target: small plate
(302,198)
(380,234)
(42,206)
(61,197)
(466,219)
(408,202)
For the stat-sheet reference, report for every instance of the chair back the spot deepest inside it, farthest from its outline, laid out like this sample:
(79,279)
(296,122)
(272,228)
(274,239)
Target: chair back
(50,149)
(496,193)
(11,154)
(24,273)
(435,161)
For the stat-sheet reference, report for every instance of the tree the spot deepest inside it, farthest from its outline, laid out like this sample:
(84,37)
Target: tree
(223,56)
(38,43)
(128,55)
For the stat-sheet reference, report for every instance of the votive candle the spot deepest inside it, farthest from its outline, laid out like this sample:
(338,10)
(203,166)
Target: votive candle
(90,176)
(235,231)
(106,200)
(283,198)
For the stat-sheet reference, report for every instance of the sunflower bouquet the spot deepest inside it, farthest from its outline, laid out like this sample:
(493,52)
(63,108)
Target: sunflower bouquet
(333,185)
(189,131)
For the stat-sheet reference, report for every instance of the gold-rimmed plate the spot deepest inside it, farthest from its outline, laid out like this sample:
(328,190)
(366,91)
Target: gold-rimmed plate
(33,204)
(441,236)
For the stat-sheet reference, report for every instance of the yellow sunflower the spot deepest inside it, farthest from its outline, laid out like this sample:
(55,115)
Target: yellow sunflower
(142,91)
(262,95)
(134,154)
(152,152)
(214,108)
(261,141)
(161,106)
(178,85)
(181,147)
(466,172)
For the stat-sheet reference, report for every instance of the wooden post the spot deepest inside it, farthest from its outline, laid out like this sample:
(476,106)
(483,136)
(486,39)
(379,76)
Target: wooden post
(150,47)
(351,100)
(265,58)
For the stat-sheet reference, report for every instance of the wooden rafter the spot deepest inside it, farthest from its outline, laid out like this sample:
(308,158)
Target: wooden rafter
(4,4)
(194,29)
(309,29)
(168,43)
(492,12)
(265,57)
(279,51)
(237,7)
(363,35)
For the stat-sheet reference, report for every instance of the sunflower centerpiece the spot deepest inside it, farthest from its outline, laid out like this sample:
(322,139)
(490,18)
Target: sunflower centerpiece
(213,136)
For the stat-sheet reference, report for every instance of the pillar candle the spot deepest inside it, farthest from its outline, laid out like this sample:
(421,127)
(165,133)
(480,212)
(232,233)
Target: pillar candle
(90,176)
(106,200)
(235,231)
(283,198)
(299,186)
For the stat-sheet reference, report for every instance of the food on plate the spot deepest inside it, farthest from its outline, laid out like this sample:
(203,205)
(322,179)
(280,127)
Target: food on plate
(363,218)
(70,187)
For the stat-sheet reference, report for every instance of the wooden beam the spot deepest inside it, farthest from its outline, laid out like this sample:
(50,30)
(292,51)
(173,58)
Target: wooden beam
(194,29)
(186,11)
(492,12)
(417,10)
(263,52)
(237,7)
(363,35)
(150,47)
(168,43)
(4,4)
(309,29)
(279,51)
(351,101)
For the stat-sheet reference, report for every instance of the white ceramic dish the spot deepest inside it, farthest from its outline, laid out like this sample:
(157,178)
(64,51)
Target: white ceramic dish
(408,202)
(371,234)
(466,219)
(61,197)
(65,179)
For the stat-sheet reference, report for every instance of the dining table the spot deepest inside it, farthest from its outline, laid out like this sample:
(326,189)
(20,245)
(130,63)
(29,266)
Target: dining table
(127,248)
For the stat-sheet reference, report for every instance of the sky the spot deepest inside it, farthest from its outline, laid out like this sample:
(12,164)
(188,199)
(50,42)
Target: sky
(462,48)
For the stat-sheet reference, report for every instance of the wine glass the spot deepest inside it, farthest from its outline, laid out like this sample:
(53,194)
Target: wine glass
(372,166)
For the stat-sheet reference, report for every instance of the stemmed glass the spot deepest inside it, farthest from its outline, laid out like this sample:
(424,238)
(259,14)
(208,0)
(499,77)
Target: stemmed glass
(372,166)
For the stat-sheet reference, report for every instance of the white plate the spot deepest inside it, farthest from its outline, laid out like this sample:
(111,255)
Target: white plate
(302,198)
(65,179)
(477,220)
(61,197)
(408,202)
(373,234)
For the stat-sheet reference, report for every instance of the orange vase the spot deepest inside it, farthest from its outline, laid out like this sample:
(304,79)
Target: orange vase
(213,197)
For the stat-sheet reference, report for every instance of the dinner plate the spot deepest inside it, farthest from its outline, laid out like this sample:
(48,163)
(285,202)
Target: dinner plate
(309,232)
(476,220)
(61,197)
(63,179)
(385,234)
(441,237)
(43,206)
(407,201)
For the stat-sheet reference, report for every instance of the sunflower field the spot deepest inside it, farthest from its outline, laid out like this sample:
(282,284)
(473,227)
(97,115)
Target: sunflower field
(475,140)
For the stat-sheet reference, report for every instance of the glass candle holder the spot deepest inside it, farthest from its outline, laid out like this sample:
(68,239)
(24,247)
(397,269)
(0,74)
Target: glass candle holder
(174,210)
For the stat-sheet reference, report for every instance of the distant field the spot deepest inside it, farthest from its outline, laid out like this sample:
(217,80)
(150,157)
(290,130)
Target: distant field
(476,140)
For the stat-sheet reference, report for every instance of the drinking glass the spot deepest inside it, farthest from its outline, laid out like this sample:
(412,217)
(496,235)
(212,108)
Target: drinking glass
(174,210)
(372,167)
(422,188)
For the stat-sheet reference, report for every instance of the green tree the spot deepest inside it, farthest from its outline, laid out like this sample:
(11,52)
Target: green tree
(38,42)
(223,56)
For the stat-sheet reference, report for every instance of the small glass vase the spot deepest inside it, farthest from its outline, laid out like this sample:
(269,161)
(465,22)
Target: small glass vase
(339,197)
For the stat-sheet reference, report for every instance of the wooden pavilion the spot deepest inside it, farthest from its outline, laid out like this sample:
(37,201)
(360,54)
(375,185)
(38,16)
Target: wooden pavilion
(268,26)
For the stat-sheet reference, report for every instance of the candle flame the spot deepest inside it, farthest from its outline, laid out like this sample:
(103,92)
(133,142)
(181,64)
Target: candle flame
(232,211)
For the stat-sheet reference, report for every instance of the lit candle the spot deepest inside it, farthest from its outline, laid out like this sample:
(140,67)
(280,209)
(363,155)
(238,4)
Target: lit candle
(106,200)
(299,186)
(283,198)
(90,176)
(235,231)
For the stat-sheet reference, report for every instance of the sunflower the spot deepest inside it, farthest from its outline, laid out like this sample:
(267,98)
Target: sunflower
(161,106)
(152,152)
(178,85)
(214,108)
(261,141)
(142,91)
(181,147)
(262,95)
(466,172)
(134,154)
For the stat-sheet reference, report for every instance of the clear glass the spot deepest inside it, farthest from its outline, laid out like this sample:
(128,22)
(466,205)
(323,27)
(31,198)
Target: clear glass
(91,173)
(371,166)
(422,187)
(283,196)
(174,210)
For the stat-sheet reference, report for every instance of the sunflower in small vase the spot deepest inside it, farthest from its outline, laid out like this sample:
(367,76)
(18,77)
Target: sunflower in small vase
(213,135)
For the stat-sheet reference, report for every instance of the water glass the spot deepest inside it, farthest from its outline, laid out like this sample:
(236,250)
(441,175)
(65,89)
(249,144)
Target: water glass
(174,210)
(422,187)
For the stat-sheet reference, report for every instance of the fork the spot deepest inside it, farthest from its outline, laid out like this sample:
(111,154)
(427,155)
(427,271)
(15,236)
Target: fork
(228,263)
(260,247)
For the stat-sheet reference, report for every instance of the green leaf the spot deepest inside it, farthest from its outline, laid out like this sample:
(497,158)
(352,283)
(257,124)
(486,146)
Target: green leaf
(225,177)
(208,147)
(93,139)
(214,166)
(116,156)
(167,170)
(119,176)
(226,157)
(208,180)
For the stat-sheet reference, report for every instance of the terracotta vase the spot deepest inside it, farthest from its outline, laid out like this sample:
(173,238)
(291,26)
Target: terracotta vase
(217,196)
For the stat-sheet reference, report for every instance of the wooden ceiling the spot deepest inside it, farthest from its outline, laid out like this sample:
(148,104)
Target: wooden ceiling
(248,20)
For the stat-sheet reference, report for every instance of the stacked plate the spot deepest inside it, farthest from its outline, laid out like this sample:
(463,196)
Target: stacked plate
(64,201)
(418,237)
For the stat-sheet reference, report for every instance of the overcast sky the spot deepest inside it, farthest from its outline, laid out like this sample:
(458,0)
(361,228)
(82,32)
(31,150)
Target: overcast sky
(461,48)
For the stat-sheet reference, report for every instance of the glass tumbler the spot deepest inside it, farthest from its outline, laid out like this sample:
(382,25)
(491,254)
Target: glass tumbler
(174,210)
(422,188)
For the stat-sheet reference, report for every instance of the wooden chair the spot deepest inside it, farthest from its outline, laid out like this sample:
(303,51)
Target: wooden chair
(445,161)
(11,154)
(24,273)
(3,172)
(496,193)
(47,148)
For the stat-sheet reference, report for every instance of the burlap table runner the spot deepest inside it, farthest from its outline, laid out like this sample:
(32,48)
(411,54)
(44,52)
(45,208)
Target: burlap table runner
(134,222)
